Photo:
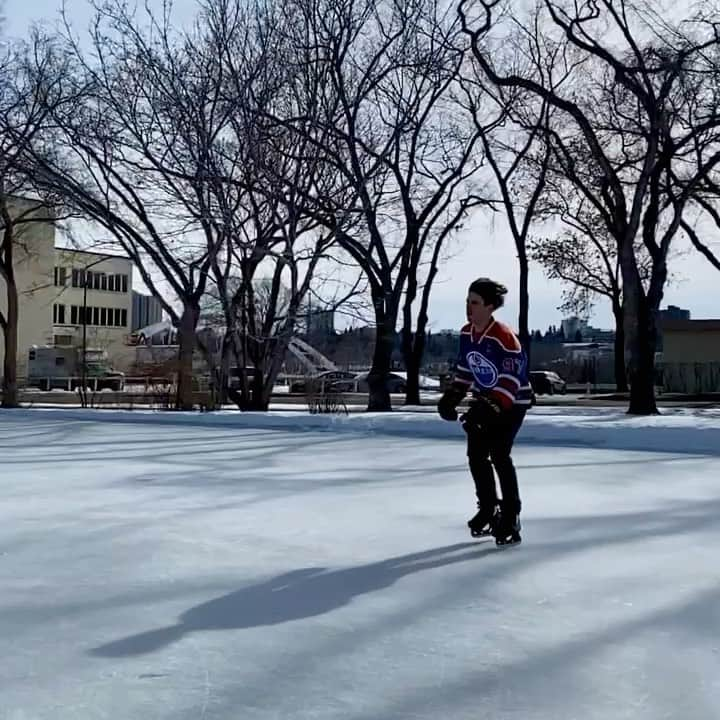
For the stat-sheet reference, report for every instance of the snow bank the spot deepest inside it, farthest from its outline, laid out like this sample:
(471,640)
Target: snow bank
(695,431)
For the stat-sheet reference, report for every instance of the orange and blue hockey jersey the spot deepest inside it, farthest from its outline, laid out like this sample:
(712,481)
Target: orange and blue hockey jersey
(492,364)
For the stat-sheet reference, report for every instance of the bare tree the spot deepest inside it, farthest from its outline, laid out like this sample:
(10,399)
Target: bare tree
(30,77)
(584,257)
(165,152)
(148,108)
(637,105)
(264,176)
(388,113)
(515,147)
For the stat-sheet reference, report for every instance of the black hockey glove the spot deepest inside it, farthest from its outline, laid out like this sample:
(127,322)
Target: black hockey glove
(483,412)
(448,403)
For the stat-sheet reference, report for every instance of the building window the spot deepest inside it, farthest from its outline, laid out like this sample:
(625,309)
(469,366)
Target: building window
(89,279)
(115,283)
(59,361)
(58,314)
(60,276)
(76,278)
(96,316)
(103,282)
(63,340)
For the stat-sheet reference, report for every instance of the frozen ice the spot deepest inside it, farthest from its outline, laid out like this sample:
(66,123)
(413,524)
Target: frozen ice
(263,567)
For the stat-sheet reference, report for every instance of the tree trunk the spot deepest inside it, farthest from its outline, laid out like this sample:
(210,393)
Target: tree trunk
(10,334)
(524,299)
(379,397)
(269,377)
(621,384)
(10,327)
(385,321)
(642,377)
(186,339)
(640,333)
(259,402)
(640,346)
(223,381)
(414,350)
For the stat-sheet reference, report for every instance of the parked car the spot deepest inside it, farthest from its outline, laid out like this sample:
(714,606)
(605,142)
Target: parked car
(327,378)
(359,383)
(547,382)
(234,376)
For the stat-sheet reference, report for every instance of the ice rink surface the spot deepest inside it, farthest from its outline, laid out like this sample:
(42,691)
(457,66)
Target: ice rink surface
(229,572)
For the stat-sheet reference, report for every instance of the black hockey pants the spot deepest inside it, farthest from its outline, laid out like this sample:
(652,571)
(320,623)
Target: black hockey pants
(491,446)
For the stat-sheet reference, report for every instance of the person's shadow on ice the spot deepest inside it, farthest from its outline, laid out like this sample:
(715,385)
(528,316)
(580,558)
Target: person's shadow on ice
(295,595)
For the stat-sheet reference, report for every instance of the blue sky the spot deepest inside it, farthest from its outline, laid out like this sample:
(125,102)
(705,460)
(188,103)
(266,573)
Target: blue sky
(484,248)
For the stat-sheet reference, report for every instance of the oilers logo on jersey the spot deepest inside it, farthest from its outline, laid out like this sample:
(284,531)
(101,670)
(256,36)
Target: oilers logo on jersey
(484,372)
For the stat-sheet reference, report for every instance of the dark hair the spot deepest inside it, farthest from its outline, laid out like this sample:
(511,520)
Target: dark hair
(493,293)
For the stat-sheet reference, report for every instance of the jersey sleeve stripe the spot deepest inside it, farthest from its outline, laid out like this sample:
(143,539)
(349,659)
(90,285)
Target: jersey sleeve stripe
(504,392)
(461,380)
(505,399)
(511,378)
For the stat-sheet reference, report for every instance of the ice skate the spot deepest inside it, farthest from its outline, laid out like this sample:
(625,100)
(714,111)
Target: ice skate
(507,530)
(482,524)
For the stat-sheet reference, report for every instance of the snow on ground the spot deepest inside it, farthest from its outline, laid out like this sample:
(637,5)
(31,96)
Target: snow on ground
(269,567)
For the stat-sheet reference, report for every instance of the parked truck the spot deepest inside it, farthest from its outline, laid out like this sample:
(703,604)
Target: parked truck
(54,367)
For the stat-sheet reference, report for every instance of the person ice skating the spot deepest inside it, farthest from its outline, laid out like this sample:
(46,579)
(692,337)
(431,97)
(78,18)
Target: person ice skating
(492,367)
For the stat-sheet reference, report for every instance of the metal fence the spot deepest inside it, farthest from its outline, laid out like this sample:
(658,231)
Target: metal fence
(691,378)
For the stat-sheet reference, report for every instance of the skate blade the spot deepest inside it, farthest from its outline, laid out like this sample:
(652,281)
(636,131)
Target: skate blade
(508,545)
(477,535)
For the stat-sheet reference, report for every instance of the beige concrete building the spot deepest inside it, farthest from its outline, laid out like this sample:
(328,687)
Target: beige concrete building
(93,290)
(691,341)
(52,296)
(691,356)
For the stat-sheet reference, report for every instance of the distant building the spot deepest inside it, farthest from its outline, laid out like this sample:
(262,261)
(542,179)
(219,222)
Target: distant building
(673,312)
(572,326)
(599,336)
(146,310)
(319,322)
(93,294)
(691,356)
(691,341)
(65,294)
